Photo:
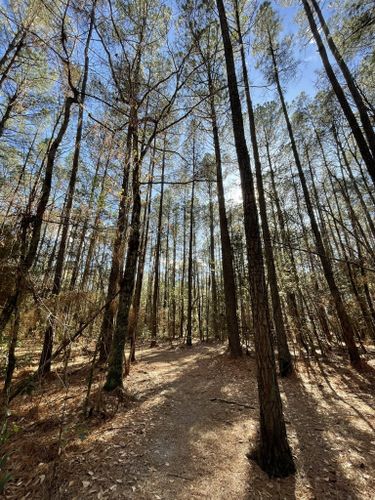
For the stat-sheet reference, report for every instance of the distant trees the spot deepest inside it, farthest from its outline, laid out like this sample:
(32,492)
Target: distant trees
(205,34)
(268,29)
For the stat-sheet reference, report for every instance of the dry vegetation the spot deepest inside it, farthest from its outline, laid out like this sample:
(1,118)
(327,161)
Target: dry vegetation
(185,431)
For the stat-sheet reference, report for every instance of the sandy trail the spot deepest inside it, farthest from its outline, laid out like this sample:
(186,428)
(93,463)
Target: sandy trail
(180,441)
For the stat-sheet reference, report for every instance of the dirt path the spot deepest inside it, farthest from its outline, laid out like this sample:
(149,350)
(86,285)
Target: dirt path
(180,441)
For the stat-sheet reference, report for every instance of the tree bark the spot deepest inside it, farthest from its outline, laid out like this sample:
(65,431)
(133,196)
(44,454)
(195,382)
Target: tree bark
(114,378)
(284,357)
(273,453)
(226,246)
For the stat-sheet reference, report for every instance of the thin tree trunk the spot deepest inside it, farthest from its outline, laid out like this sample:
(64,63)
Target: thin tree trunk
(133,323)
(96,222)
(353,123)
(215,319)
(183,272)
(365,119)
(273,453)
(284,357)
(44,364)
(226,246)
(14,43)
(155,296)
(189,331)
(9,107)
(288,256)
(346,325)
(166,277)
(37,220)
(18,47)
(174,308)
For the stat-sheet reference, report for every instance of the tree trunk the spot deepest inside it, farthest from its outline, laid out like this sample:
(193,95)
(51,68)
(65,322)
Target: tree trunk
(284,357)
(155,296)
(18,47)
(37,220)
(93,237)
(189,331)
(174,305)
(226,246)
(45,363)
(214,318)
(356,130)
(142,257)
(273,453)
(346,325)
(117,257)
(365,119)
(121,331)
(183,272)
(10,105)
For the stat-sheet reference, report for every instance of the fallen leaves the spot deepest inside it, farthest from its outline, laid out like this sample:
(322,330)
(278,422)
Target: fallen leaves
(178,445)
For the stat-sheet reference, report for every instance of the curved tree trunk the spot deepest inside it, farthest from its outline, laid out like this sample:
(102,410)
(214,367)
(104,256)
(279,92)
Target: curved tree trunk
(45,363)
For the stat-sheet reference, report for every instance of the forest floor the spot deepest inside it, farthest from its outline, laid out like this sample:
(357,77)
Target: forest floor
(186,432)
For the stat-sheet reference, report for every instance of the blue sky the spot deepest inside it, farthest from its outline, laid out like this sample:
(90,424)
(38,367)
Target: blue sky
(305,53)
(305,79)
